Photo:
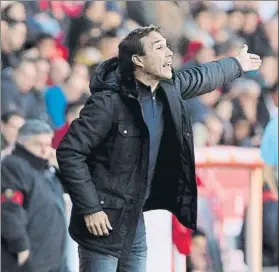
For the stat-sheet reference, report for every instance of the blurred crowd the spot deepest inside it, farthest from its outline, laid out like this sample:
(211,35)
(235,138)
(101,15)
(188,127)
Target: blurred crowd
(50,49)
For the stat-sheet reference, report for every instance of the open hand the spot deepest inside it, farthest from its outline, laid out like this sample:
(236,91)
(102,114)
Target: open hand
(248,61)
(98,223)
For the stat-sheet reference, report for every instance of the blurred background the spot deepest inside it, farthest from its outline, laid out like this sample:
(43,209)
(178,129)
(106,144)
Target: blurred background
(49,49)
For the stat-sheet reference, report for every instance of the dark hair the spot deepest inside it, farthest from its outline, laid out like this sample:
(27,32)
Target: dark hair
(199,9)
(234,10)
(23,61)
(132,45)
(34,59)
(87,5)
(221,100)
(274,88)
(197,233)
(6,116)
(43,36)
(6,10)
(13,23)
(250,10)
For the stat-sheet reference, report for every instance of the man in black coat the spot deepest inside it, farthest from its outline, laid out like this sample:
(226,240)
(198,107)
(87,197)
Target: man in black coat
(131,150)
(33,227)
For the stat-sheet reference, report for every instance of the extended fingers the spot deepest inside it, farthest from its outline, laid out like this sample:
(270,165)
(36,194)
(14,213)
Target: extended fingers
(255,61)
(255,57)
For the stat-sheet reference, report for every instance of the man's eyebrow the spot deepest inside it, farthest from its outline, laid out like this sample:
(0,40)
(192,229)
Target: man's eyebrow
(157,41)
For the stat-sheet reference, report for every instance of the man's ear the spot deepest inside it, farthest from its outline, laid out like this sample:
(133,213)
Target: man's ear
(137,60)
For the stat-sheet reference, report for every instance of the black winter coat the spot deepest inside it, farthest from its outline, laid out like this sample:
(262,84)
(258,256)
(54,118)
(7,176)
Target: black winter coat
(32,214)
(104,155)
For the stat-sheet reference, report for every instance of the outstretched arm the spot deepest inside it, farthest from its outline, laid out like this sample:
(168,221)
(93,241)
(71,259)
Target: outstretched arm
(207,77)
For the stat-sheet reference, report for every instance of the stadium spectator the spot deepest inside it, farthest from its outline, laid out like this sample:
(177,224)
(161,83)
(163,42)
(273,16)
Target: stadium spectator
(11,122)
(4,44)
(33,229)
(108,46)
(197,261)
(269,71)
(16,85)
(201,26)
(72,113)
(92,16)
(15,11)
(197,53)
(228,48)
(245,94)
(12,42)
(58,97)
(46,46)
(81,71)
(223,109)
(254,34)
(214,128)
(59,71)
(38,109)
(236,20)
(219,25)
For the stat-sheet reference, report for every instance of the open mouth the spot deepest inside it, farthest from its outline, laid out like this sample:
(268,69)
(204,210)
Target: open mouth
(168,64)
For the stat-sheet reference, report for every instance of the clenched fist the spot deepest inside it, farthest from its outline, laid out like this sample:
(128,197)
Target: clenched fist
(98,223)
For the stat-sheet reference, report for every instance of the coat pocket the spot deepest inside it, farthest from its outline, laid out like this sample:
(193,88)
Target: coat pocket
(113,206)
(127,144)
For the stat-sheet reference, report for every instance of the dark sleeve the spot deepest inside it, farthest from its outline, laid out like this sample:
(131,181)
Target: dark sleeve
(207,77)
(14,216)
(83,137)
(7,100)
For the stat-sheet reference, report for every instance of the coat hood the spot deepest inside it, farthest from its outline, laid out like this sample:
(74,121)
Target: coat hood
(108,76)
(104,77)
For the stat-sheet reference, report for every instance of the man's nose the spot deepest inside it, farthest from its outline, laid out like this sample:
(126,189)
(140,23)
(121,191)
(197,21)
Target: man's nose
(169,53)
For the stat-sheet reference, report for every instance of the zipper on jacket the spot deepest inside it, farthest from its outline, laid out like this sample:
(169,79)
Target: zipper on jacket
(144,175)
(153,104)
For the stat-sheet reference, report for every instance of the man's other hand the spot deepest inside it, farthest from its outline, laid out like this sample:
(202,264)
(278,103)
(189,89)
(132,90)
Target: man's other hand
(22,257)
(248,61)
(98,223)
